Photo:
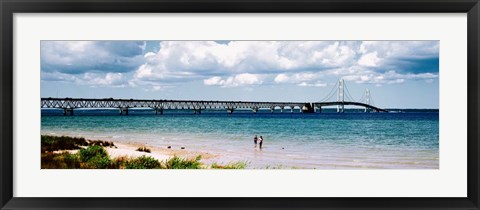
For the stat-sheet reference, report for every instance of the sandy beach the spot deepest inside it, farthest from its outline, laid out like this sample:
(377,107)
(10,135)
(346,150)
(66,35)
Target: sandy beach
(130,150)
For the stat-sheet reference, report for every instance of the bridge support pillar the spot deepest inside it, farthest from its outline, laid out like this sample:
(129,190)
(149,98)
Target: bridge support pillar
(255,110)
(199,111)
(308,108)
(68,111)
(272,110)
(159,110)
(230,110)
(319,109)
(291,110)
(341,108)
(124,110)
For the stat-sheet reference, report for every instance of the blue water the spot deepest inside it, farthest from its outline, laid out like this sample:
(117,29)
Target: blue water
(328,140)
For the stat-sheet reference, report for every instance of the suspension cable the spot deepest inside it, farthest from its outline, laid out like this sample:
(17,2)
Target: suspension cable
(362,98)
(329,97)
(371,100)
(348,93)
(330,93)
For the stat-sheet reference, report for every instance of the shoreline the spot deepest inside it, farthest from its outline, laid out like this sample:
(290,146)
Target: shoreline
(268,159)
(130,150)
(66,152)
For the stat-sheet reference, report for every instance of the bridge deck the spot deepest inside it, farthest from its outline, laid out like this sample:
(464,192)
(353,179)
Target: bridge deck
(125,104)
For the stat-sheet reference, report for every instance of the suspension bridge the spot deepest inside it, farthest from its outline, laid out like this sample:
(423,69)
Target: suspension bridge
(340,91)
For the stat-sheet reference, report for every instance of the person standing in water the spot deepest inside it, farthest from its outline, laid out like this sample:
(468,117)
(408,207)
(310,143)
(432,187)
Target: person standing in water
(255,139)
(260,141)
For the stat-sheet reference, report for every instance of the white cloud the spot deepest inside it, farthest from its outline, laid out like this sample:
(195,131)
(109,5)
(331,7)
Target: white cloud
(369,59)
(90,79)
(303,63)
(149,55)
(317,84)
(390,77)
(301,79)
(282,78)
(291,62)
(213,81)
(110,79)
(58,77)
(401,49)
(157,88)
(234,81)
(198,58)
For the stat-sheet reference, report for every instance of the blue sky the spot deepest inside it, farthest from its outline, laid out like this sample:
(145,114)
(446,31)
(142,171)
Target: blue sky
(399,74)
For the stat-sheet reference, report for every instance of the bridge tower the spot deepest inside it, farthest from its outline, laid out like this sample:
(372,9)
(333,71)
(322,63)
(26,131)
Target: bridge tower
(367,98)
(341,95)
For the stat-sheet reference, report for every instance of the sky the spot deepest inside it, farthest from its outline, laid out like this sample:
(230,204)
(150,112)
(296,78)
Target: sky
(399,74)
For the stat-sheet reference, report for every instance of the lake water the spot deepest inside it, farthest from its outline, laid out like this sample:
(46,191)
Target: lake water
(328,140)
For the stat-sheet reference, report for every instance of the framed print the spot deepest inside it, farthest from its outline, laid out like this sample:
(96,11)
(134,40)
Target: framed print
(239,105)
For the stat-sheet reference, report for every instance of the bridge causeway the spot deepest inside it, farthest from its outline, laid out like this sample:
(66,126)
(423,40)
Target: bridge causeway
(123,105)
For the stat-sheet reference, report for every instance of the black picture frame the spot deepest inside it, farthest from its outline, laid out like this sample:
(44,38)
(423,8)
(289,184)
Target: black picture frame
(10,7)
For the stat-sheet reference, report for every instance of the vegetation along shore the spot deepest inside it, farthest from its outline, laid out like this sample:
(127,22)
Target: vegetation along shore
(64,152)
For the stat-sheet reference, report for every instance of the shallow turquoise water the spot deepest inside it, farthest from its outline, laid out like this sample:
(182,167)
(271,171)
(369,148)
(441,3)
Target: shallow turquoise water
(320,140)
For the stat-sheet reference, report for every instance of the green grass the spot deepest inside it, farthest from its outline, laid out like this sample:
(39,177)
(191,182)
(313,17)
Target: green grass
(234,165)
(92,155)
(92,152)
(56,143)
(183,163)
(60,161)
(99,162)
(143,162)
(96,157)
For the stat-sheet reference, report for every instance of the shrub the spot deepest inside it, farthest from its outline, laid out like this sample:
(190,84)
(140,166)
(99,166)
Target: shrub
(144,149)
(71,160)
(143,162)
(100,162)
(100,143)
(49,161)
(180,163)
(91,152)
(55,143)
(64,160)
(119,163)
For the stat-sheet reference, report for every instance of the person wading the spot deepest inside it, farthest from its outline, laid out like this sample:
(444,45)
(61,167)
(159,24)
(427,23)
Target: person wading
(260,141)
